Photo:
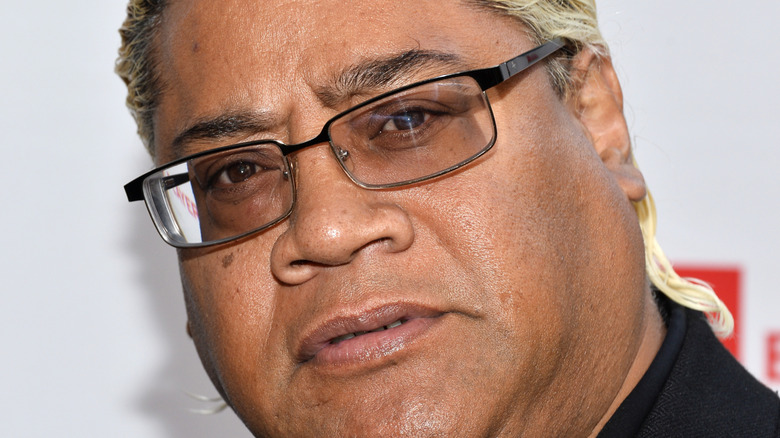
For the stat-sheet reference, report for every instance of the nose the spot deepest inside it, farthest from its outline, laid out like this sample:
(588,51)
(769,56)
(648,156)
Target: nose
(334,221)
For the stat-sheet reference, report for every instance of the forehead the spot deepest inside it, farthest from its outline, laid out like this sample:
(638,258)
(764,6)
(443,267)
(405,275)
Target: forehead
(300,29)
(273,56)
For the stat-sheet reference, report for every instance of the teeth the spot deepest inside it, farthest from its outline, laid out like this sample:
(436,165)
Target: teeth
(352,335)
(395,324)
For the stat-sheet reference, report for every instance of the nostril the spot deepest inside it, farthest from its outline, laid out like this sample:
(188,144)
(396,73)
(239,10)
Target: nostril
(296,271)
(306,263)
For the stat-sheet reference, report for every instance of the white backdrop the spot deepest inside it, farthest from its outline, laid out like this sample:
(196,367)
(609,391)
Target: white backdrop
(93,340)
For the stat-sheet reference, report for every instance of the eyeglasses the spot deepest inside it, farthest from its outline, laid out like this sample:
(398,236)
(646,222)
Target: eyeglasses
(412,134)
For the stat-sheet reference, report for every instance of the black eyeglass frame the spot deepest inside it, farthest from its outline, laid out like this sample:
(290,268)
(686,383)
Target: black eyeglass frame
(486,78)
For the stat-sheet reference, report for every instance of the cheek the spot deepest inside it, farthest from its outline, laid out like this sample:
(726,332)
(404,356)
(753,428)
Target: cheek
(231,303)
(542,225)
(515,220)
(559,203)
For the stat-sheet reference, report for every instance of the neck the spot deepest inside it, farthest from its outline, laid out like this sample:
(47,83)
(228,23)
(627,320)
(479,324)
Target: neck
(653,335)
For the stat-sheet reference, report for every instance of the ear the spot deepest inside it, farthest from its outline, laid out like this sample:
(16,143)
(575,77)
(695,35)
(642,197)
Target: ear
(597,102)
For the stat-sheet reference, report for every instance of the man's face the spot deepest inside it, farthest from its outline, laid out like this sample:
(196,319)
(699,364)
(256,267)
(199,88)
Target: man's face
(516,279)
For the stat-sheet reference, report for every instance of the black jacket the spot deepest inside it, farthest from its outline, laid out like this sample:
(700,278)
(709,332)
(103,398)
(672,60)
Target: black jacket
(695,388)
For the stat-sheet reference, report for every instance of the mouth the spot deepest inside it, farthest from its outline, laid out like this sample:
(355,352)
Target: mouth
(349,336)
(366,336)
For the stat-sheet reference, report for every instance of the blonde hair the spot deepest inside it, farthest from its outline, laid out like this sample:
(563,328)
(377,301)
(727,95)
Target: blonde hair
(137,67)
(689,292)
(574,21)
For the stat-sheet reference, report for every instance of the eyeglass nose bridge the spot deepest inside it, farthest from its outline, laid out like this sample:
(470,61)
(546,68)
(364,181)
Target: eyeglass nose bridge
(322,138)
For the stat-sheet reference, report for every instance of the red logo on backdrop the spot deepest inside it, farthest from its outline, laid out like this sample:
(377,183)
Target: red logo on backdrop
(773,356)
(726,283)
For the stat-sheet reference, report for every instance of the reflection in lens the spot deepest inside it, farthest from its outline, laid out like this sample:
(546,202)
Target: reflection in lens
(415,133)
(226,194)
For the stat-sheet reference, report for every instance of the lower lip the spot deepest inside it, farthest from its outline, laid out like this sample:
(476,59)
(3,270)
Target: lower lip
(374,346)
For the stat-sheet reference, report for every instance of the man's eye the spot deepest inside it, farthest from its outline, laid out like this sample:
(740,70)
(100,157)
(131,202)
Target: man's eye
(235,173)
(405,121)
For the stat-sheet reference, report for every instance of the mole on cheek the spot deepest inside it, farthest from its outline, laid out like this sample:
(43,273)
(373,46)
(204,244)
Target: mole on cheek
(195,47)
(227,260)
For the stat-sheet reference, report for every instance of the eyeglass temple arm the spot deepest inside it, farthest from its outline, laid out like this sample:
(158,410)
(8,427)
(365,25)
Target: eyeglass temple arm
(527,59)
(134,192)
(492,76)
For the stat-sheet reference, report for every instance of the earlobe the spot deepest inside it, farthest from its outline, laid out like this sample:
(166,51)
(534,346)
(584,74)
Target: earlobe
(628,177)
(597,101)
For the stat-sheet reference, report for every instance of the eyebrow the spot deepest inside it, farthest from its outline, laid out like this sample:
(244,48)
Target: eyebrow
(227,125)
(362,78)
(376,74)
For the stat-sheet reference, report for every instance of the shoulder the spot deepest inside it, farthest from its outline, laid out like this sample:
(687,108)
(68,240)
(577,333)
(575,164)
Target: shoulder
(709,394)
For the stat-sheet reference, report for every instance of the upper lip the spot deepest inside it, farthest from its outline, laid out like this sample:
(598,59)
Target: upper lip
(318,335)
